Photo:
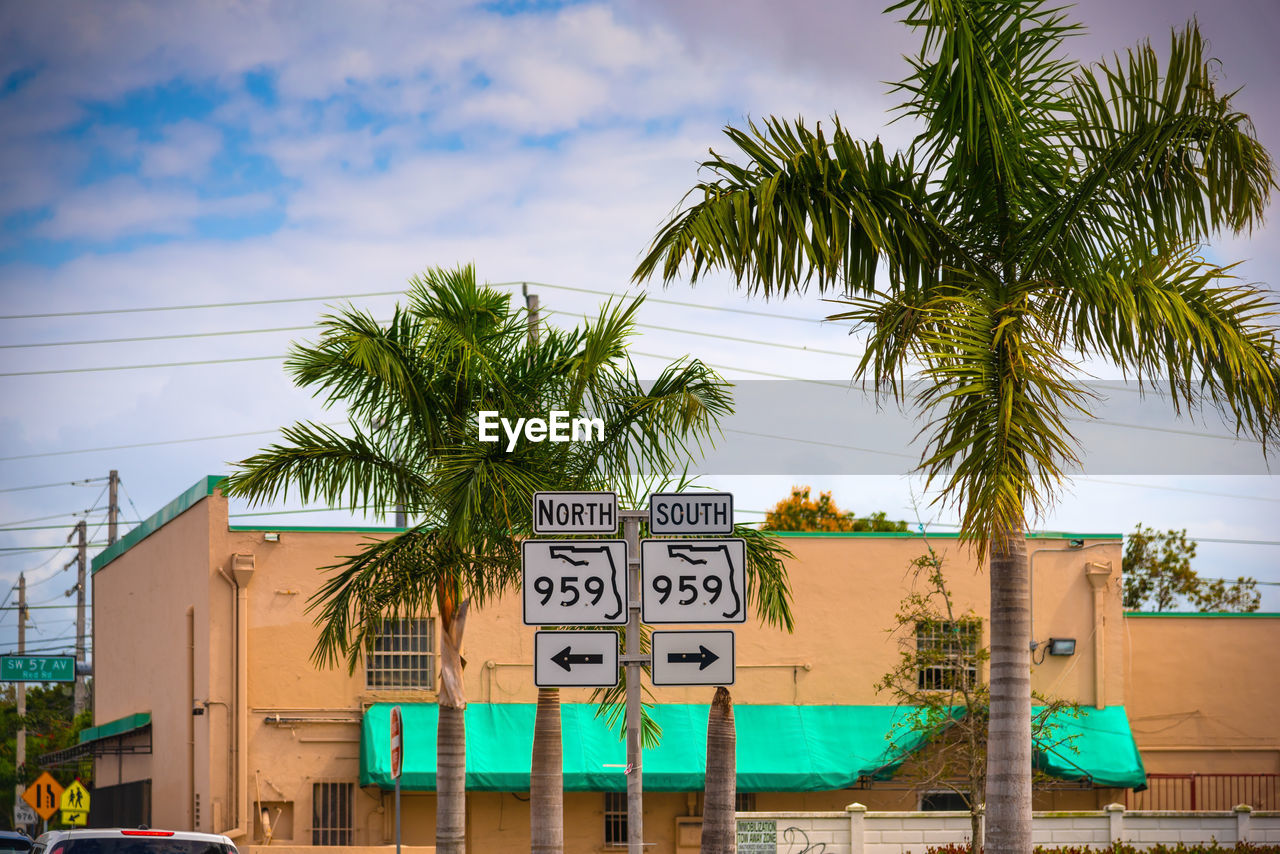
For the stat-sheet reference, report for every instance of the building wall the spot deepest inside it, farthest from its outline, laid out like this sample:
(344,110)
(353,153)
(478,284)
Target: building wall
(303,720)
(1205,692)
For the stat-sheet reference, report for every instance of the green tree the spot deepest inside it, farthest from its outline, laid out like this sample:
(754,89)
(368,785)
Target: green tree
(50,726)
(802,513)
(942,741)
(1049,214)
(1158,574)
(412,390)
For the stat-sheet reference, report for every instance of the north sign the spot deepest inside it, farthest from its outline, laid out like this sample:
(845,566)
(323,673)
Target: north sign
(37,668)
(575,659)
(574,582)
(686,513)
(575,513)
(693,581)
(692,658)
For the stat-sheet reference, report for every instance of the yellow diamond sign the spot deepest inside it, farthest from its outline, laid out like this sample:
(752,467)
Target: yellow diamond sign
(74,801)
(43,795)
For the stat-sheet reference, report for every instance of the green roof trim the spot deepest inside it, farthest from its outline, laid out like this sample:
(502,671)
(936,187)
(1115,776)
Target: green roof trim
(120,726)
(779,748)
(202,489)
(1201,614)
(934,535)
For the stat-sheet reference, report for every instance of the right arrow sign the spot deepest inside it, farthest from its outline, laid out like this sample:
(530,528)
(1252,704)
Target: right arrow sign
(693,658)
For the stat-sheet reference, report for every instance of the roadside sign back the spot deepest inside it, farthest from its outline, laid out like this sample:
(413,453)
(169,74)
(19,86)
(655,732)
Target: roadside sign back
(686,513)
(575,659)
(574,582)
(397,742)
(44,795)
(693,658)
(37,668)
(693,581)
(575,512)
(23,814)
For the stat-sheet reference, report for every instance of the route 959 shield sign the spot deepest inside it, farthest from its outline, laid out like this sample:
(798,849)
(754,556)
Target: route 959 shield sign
(575,582)
(693,581)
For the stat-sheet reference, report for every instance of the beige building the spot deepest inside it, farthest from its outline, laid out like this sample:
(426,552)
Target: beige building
(210,713)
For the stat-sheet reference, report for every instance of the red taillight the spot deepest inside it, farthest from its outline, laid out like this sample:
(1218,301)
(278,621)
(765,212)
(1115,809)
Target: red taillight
(146,833)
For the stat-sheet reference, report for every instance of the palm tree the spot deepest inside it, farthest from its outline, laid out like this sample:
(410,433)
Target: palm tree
(412,389)
(1049,214)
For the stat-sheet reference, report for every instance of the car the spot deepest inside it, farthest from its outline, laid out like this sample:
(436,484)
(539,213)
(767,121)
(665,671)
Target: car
(14,842)
(141,840)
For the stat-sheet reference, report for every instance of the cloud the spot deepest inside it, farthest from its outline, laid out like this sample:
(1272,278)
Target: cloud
(184,151)
(124,206)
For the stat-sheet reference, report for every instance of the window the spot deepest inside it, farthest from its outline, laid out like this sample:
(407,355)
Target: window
(615,818)
(744,802)
(404,654)
(947,654)
(943,802)
(331,813)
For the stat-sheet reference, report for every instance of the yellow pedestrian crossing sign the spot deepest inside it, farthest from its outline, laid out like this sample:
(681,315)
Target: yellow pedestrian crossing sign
(75,803)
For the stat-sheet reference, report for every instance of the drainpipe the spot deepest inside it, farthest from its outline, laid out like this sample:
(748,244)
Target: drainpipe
(191,718)
(242,567)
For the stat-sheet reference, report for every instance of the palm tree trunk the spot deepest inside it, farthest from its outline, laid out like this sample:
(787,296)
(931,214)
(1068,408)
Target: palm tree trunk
(719,829)
(451,735)
(546,777)
(1008,807)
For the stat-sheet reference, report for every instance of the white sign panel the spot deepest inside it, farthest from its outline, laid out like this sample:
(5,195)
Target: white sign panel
(693,581)
(692,658)
(685,513)
(23,814)
(575,659)
(574,582)
(575,513)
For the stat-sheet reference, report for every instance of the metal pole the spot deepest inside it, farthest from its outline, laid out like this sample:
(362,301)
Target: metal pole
(531,309)
(81,559)
(113,505)
(398,811)
(21,689)
(635,776)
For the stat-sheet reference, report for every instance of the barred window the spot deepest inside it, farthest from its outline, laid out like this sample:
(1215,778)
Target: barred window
(331,810)
(744,802)
(404,654)
(947,654)
(615,818)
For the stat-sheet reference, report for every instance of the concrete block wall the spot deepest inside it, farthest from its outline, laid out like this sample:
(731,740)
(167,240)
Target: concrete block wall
(859,831)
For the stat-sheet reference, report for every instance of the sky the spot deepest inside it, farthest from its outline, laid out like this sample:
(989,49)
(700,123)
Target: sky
(155,155)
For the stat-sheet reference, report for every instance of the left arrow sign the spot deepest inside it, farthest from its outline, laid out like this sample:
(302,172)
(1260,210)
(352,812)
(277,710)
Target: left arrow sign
(575,659)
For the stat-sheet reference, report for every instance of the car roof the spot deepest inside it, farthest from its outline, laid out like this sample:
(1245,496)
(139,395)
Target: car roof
(116,832)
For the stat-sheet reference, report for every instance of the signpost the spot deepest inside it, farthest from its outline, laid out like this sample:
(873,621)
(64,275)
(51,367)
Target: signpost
(44,795)
(574,582)
(575,513)
(616,582)
(693,581)
(692,658)
(685,513)
(23,814)
(397,760)
(38,668)
(575,659)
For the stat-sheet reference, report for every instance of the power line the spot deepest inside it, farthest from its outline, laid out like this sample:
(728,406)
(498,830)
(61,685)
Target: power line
(140,445)
(43,518)
(156,337)
(87,480)
(200,306)
(1091,479)
(10,552)
(140,367)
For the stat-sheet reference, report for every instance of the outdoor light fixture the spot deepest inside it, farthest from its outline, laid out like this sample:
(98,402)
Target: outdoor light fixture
(1062,646)
(271,537)
(1075,544)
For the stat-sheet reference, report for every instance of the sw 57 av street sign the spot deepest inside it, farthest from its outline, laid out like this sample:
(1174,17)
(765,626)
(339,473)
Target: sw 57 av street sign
(574,582)
(693,581)
(37,668)
(575,659)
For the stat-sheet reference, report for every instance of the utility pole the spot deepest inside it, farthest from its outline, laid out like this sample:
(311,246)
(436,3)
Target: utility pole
(81,561)
(20,756)
(531,304)
(113,505)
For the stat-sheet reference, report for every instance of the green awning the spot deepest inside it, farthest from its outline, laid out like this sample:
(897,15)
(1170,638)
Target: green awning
(119,726)
(780,748)
(1097,745)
